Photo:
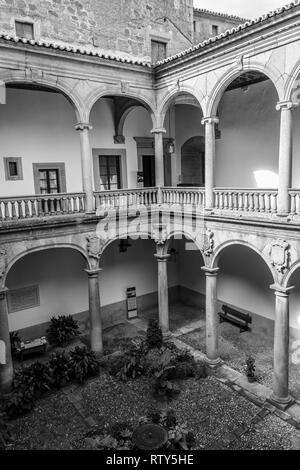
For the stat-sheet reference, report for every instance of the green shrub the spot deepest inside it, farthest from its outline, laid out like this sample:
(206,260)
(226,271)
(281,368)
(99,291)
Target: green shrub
(83,364)
(20,402)
(59,368)
(5,435)
(164,389)
(154,336)
(36,377)
(62,330)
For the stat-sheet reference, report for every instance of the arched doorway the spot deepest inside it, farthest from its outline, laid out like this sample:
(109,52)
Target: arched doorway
(193,162)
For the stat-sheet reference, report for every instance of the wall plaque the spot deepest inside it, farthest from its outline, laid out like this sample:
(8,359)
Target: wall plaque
(131,303)
(23,299)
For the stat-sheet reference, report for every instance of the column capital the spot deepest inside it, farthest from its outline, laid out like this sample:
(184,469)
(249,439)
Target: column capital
(158,130)
(162,258)
(81,126)
(210,120)
(210,272)
(286,105)
(281,291)
(93,272)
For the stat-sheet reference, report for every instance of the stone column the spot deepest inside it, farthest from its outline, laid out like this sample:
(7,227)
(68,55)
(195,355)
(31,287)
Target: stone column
(6,364)
(95,311)
(159,160)
(210,154)
(285,156)
(86,164)
(212,330)
(281,348)
(163,292)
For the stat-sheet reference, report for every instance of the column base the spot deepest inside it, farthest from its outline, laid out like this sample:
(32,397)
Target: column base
(282,215)
(213,362)
(281,403)
(167,335)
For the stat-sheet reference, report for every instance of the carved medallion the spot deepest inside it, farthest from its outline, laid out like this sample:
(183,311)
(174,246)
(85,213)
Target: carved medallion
(279,254)
(208,243)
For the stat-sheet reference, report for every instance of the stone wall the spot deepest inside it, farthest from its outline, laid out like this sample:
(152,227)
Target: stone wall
(204,21)
(122,26)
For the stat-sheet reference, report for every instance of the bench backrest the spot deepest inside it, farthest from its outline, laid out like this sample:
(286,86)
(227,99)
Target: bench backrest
(243,316)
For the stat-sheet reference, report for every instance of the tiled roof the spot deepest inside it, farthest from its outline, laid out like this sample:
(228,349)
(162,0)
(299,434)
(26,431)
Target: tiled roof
(73,49)
(222,15)
(230,32)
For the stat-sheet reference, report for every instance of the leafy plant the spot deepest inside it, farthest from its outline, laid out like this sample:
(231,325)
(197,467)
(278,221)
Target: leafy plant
(154,336)
(250,369)
(36,377)
(59,368)
(163,388)
(21,401)
(15,341)
(62,330)
(5,435)
(83,364)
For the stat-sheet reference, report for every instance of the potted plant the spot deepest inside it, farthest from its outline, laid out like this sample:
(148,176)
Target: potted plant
(250,369)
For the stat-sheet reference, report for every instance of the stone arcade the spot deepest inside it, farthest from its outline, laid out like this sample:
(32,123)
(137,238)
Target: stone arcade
(202,140)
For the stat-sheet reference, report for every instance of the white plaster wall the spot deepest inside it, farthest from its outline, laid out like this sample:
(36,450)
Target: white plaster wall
(38,127)
(135,268)
(250,127)
(244,282)
(63,283)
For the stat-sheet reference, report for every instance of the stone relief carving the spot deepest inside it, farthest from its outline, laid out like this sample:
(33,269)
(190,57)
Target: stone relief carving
(208,243)
(279,253)
(3,262)
(124,86)
(159,234)
(94,246)
(240,62)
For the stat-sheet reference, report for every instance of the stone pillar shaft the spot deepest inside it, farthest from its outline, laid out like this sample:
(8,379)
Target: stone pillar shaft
(6,364)
(210,154)
(86,164)
(95,311)
(163,293)
(281,348)
(285,156)
(212,329)
(159,159)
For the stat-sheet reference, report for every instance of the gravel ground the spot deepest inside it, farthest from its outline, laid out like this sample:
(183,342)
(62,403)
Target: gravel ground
(210,409)
(54,424)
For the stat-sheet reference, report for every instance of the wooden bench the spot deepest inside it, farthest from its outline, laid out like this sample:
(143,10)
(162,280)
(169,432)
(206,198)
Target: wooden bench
(230,315)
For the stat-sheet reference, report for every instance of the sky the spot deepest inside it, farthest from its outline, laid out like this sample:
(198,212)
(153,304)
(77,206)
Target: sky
(243,8)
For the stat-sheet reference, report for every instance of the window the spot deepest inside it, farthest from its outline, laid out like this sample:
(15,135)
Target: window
(24,30)
(195,29)
(49,181)
(13,169)
(158,51)
(215,30)
(110,176)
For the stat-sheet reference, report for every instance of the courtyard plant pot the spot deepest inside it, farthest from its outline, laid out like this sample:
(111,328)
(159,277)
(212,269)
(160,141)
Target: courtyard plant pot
(251,379)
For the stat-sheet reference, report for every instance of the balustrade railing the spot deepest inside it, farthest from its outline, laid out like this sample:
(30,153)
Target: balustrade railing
(191,196)
(28,207)
(240,200)
(295,201)
(124,198)
(246,200)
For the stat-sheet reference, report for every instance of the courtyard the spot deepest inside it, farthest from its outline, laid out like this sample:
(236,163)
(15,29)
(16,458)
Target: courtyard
(220,416)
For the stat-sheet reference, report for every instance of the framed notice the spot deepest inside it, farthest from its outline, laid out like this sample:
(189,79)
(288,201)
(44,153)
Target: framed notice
(131,303)
(22,299)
